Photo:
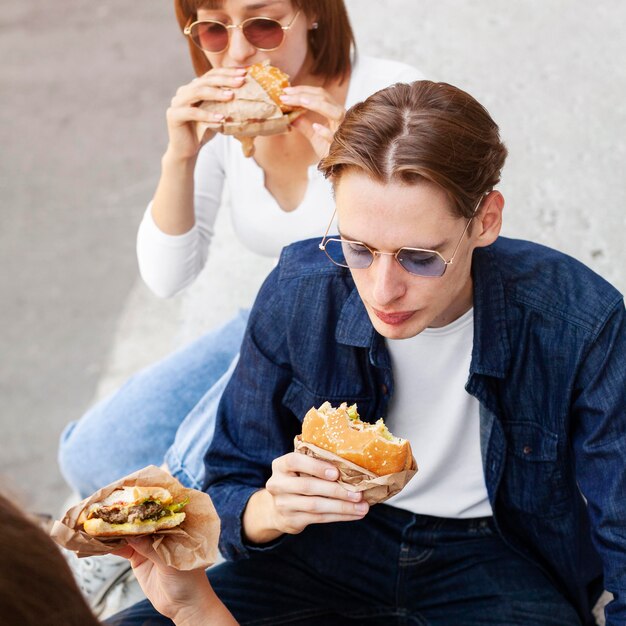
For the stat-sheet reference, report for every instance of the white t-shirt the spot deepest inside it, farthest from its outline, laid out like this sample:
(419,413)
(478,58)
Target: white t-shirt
(168,263)
(431,408)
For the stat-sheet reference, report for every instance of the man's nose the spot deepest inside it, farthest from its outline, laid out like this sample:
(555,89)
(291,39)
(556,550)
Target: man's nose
(389,284)
(240,50)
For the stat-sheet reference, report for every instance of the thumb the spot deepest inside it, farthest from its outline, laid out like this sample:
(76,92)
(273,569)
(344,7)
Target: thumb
(304,126)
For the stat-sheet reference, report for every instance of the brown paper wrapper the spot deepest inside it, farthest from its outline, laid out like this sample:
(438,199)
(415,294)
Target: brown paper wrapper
(191,545)
(355,478)
(247,131)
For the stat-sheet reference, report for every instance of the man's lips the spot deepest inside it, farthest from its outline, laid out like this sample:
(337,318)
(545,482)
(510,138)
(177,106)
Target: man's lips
(393,319)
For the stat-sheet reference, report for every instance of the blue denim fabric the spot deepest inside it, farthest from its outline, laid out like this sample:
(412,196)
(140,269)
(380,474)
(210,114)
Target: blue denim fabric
(165,412)
(548,367)
(391,568)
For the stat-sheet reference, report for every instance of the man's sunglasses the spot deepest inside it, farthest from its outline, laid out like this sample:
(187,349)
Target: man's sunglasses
(264,33)
(418,261)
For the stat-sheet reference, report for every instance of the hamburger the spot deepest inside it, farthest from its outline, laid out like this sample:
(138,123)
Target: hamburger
(132,511)
(255,109)
(370,446)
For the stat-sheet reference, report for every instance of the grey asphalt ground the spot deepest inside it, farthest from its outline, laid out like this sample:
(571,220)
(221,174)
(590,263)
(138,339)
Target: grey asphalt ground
(84,89)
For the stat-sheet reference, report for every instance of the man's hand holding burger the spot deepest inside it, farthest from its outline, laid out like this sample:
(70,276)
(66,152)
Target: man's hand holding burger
(301,491)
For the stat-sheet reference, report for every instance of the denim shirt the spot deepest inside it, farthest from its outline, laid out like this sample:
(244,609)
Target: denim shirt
(548,368)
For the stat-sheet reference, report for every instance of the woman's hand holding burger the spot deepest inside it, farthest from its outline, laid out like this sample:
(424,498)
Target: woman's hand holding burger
(319,101)
(183,112)
(301,491)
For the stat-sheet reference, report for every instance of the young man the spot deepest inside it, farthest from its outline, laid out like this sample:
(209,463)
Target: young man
(502,361)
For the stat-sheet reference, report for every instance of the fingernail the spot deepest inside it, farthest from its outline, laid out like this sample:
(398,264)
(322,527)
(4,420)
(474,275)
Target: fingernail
(217,116)
(285,98)
(288,89)
(227,92)
(331,474)
(361,507)
(354,495)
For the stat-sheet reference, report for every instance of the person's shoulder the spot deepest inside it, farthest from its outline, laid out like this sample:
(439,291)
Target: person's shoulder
(542,277)
(305,260)
(305,285)
(371,73)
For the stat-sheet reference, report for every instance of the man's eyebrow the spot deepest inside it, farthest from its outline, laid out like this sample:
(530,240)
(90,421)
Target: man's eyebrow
(435,247)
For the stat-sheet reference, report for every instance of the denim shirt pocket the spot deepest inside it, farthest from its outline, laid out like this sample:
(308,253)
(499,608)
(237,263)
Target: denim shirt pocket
(299,399)
(533,479)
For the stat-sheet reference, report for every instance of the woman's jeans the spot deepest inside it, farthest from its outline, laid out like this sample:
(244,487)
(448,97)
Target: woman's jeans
(391,568)
(165,413)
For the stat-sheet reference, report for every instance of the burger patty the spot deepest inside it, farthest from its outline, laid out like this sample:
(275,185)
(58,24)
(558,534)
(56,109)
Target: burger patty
(117,514)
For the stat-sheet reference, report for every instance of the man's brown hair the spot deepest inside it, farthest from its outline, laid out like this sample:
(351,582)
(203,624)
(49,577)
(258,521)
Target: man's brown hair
(331,43)
(417,131)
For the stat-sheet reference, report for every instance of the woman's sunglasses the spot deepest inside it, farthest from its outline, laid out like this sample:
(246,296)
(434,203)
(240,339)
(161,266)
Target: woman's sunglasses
(264,33)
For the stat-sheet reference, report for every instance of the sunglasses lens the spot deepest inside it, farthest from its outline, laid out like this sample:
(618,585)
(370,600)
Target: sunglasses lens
(263,34)
(349,254)
(210,36)
(421,262)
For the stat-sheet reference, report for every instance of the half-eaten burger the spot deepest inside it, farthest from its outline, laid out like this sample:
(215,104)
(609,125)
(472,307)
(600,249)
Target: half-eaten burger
(132,511)
(370,446)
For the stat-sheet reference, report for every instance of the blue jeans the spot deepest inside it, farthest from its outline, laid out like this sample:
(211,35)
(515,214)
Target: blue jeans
(165,413)
(391,568)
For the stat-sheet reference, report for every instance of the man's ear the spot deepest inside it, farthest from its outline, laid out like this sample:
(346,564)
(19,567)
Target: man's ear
(488,222)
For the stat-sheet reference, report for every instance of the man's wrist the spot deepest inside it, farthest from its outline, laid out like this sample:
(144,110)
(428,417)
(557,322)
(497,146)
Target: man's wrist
(259,519)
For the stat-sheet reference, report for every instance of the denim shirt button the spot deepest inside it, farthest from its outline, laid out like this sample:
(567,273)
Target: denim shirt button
(527,449)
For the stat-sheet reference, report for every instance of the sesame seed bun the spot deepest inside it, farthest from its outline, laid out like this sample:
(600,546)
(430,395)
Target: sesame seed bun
(371,446)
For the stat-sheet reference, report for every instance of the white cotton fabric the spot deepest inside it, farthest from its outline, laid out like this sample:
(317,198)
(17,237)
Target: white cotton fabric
(431,409)
(168,263)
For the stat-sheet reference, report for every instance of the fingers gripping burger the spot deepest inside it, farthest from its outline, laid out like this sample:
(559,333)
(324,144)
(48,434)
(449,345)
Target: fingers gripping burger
(255,109)
(132,511)
(371,446)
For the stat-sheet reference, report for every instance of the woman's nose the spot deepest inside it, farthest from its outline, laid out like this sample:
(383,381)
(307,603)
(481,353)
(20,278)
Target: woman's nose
(388,279)
(240,50)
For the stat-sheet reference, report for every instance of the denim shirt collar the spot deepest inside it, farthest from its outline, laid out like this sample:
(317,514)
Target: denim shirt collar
(491,353)
(355,329)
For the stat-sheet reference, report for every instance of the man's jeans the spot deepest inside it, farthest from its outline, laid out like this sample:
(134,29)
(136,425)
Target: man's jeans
(392,568)
(166,412)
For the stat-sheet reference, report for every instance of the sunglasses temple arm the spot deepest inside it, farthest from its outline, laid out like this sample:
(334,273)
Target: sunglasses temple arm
(322,245)
(471,219)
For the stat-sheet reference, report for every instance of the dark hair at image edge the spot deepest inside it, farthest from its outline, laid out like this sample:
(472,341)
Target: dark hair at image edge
(421,131)
(331,43)
(37,587)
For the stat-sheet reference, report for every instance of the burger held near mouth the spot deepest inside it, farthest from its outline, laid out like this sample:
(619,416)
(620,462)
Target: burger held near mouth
(255,109)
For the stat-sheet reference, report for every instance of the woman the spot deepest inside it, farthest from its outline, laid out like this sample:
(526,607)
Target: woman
(277,197)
